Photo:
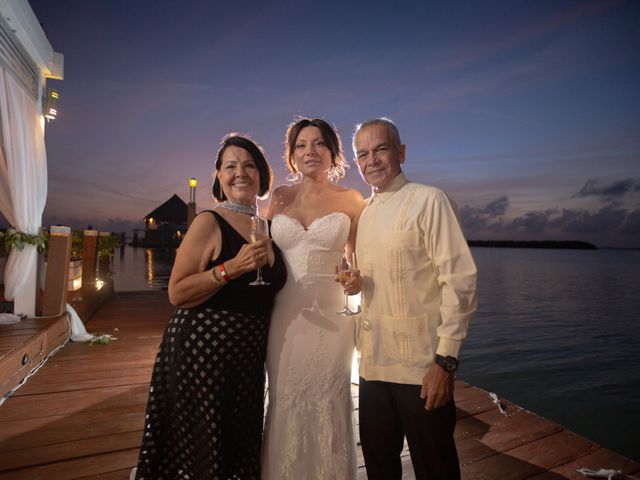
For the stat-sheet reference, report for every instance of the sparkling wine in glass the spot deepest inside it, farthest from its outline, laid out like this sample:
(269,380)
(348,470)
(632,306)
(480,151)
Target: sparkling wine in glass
(259,231)
(346,269)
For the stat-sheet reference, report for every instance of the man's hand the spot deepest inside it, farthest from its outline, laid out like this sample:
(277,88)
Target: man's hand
(437,387)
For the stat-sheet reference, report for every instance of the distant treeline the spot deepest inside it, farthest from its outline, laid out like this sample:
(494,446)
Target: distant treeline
(532,244)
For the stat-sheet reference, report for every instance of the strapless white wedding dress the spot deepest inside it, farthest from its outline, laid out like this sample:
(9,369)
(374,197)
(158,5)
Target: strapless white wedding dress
(309,432)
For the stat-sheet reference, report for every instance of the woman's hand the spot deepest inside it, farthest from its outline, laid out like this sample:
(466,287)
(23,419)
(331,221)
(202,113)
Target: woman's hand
(352,284)
(249,258)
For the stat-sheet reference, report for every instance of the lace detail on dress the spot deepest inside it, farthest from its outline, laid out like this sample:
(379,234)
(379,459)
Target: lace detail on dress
(314,393)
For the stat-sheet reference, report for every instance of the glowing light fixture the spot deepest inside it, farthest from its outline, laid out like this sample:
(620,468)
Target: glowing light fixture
(51,104)
(99,284)
(192,190)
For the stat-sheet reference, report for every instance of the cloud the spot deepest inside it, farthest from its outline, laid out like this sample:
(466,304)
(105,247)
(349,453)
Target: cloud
(530,222)
(481,218)
(609,192)
(492,218)
(607,219)
(497,207)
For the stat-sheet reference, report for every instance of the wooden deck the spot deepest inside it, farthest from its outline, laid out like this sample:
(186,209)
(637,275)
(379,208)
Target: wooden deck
(81,415)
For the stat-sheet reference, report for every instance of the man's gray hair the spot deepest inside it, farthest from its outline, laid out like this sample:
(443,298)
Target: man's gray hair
(394,134)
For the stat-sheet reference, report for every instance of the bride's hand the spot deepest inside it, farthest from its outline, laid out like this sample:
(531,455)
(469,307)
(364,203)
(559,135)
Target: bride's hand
(353,285)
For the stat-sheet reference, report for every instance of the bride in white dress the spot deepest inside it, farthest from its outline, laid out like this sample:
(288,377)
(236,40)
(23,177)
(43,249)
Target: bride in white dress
(309,432)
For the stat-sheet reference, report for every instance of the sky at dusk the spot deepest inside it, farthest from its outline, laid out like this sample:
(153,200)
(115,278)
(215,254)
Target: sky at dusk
(526,113)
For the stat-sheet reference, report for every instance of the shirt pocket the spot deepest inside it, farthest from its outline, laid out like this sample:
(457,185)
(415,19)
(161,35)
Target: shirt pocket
(398,266)
(408,341)
(399,251)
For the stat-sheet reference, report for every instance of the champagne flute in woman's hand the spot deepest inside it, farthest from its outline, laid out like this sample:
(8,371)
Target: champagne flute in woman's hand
(346,269)
(259,231)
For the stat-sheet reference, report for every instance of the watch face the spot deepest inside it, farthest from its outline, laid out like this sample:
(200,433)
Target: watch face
(450,364)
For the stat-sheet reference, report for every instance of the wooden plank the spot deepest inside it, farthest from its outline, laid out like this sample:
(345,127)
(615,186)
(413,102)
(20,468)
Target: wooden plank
(470,426)
(500,466)
(84,447)
(472,450)
(117,475)
(56,366)
(33,388)
(595,460)
(20,327)
(27,323)
(57,377)
(34,432)
(70,403)
(554,450)
(8,343)
(77,468)
(518,428)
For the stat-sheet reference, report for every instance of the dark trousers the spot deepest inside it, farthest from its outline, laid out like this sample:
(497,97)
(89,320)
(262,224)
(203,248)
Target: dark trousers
(388,412)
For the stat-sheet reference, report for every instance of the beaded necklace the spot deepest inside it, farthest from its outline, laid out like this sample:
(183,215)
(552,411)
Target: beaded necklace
(238,207)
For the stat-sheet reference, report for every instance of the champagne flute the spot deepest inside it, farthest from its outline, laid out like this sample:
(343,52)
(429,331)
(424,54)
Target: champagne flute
(259,231)
(345,270)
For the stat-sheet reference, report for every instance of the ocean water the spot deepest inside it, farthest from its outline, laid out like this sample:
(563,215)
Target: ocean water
(137,269)
(556,332)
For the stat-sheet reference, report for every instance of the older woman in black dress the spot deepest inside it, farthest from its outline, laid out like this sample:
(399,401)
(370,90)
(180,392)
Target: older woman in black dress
(205,409)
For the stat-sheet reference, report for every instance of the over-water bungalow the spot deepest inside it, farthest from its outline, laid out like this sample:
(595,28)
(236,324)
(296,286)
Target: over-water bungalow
(166,225)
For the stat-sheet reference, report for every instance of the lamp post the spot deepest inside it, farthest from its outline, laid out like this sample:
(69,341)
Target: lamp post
(191,207)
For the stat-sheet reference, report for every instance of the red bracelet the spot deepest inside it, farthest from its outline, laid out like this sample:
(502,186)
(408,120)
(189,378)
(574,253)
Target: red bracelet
(224,273)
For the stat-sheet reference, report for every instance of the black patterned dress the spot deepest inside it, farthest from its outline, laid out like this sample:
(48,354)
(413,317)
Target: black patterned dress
(205,409)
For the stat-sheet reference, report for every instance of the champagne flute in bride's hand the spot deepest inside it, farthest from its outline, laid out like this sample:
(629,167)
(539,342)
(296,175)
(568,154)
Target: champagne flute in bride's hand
(259,231)
(346,269)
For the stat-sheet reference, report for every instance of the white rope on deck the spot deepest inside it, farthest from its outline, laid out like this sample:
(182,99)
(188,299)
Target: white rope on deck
(603,473)
(498,402)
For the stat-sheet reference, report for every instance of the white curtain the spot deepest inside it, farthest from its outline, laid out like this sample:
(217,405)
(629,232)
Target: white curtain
(23,177)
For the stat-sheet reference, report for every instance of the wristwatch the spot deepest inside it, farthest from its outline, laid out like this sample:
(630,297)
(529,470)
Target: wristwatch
(448,363)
